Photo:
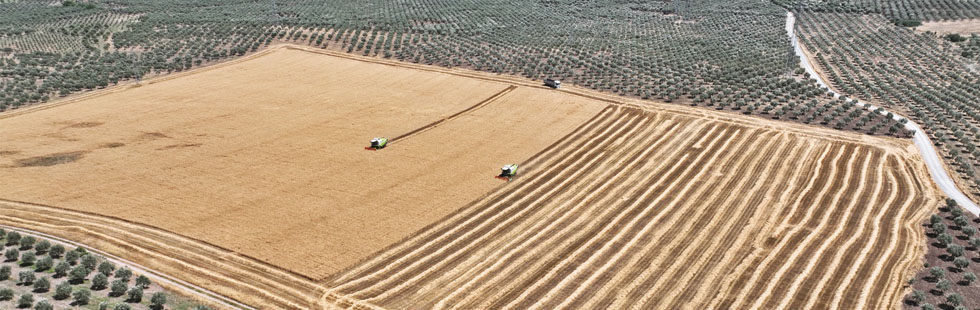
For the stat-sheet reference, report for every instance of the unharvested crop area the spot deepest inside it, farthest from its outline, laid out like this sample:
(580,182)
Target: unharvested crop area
(649,210)
(260,155)
(251,178)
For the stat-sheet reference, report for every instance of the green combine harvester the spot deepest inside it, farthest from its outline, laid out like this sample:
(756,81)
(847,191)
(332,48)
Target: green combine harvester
(508,172)
(378,143)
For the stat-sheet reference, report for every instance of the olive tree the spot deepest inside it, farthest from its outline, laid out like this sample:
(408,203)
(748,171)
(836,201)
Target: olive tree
(118,288)
(4,273)
(99,282)
(158,300)
(26,300)
(81,297)
(142,281)
(42,285)
(78,274)
(62,291)
(135,294)
(56,251)
(26,277)
(961,262)
(954,299)
(43,305)
(6,294)
(61,269)
(106,268)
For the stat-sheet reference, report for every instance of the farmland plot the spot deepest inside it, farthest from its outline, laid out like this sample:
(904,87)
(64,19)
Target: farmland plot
(641,210)
(251,179)
(266,157)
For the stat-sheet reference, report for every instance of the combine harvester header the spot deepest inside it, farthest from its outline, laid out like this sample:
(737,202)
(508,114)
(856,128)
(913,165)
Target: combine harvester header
(377,144)
(508,172)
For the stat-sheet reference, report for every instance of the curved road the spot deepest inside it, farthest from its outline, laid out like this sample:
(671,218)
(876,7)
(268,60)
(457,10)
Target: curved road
(921,140)
(195,290)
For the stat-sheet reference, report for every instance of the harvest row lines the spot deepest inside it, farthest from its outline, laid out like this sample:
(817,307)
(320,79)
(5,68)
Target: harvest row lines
(638,209)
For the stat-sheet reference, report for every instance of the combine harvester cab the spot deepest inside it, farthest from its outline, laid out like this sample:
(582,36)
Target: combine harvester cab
(377,144)
(508,172)
(556,84)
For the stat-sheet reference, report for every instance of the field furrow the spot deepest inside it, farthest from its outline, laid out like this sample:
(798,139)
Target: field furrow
(787,241)
(717,255)
(648,244)
(446,256)
(607,248)
(710,230)
(544,158)
(629,222)
(447,266)
(884,275)
(536,265)
(822,231)
(585,147)
(595,202)
(818,259)
(846,252)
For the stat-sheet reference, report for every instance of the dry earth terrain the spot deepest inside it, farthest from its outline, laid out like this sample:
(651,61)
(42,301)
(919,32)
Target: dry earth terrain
(963,27)
(250,178)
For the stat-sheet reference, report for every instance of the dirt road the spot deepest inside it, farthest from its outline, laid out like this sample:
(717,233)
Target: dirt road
(926,149)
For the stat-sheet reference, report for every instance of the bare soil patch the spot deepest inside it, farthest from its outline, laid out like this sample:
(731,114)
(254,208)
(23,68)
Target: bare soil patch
(84,125)
(50,159)
(113,144)
(964,27)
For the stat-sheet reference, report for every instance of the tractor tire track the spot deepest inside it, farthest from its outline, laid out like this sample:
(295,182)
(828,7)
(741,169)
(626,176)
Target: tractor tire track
(447,119)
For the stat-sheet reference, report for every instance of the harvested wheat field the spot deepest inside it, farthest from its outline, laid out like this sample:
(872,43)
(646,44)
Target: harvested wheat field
(641,210)
(266,157)
(250,179)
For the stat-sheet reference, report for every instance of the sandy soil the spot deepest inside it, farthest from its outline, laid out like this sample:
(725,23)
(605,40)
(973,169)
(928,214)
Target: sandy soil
(964,27)
(657,210)
(266,157)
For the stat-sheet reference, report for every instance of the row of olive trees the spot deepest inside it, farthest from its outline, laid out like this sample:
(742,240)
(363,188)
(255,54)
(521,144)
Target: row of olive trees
(945,228)
(675,52)
(72,268)
(915,74)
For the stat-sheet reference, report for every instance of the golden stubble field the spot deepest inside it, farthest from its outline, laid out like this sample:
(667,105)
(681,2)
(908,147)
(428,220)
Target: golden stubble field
(250,178)
(266,157)
(645,210)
